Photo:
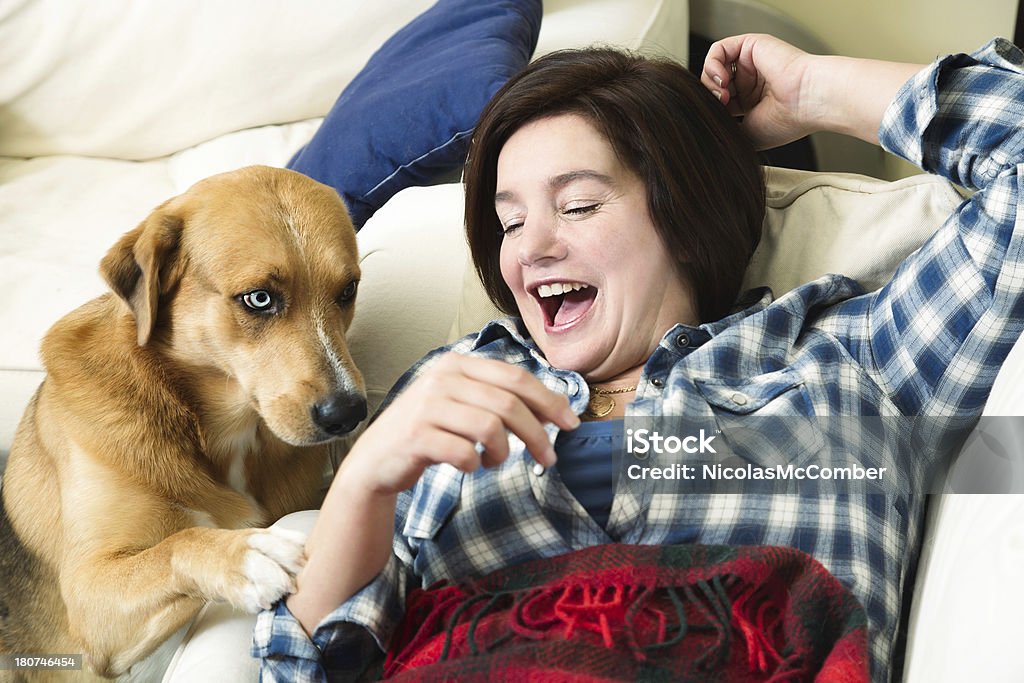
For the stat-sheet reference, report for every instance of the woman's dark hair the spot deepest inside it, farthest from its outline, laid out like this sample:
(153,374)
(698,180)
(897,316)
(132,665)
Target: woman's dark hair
(705,188)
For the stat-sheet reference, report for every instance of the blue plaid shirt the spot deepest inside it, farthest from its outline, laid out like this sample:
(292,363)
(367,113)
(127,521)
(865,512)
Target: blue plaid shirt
(928,343)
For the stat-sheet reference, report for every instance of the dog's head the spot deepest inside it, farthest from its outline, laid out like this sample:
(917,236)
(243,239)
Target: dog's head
(250,278)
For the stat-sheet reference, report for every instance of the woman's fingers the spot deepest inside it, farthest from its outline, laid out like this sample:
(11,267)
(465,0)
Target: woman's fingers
(458,403)
(488,413)
(490,398)
(442,446)
(546,405)
(721,69)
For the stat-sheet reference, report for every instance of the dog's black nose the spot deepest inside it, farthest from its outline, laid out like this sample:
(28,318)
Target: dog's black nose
(339,413)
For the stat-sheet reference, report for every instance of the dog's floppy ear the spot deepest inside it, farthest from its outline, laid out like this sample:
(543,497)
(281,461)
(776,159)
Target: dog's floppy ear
(137,267)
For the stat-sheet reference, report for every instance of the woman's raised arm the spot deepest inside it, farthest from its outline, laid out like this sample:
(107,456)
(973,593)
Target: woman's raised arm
(784,93)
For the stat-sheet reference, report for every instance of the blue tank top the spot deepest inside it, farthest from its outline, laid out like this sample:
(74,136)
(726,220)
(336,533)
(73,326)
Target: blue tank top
(585,465)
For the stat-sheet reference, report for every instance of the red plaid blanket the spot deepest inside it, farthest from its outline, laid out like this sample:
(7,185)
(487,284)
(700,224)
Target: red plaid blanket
(638,613)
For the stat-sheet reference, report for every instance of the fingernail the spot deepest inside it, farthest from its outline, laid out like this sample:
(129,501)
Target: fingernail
(718,80)
(718,95)
(574,421)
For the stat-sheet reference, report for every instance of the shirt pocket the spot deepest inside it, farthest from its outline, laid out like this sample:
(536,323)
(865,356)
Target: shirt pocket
(766,420)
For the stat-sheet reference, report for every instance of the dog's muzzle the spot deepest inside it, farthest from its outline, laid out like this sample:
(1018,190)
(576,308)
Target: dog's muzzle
(339,413)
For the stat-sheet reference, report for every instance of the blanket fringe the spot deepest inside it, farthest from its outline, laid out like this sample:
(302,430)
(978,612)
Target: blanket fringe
(645,617)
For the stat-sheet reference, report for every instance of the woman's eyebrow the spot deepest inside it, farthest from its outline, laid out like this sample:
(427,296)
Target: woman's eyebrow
(504,196)
(561,180)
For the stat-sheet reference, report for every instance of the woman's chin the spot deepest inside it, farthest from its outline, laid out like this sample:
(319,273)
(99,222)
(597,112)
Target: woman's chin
(575,357)
(571,347)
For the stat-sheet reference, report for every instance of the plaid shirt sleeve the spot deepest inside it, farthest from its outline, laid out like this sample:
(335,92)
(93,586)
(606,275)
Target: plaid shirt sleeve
(346,646)
(941,328)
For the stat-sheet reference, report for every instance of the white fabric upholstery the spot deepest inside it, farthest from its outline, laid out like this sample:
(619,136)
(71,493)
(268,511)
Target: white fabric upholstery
(964,624)
(138,79)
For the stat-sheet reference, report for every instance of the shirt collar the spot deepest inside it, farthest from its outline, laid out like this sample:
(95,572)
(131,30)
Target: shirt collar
(750,302)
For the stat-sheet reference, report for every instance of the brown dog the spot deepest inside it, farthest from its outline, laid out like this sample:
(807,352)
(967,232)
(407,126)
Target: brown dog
(192,403)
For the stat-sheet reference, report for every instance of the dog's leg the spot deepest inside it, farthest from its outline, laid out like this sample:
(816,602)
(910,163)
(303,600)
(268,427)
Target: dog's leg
(122,605)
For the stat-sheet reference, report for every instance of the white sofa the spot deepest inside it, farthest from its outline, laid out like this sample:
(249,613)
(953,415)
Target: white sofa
(107,109)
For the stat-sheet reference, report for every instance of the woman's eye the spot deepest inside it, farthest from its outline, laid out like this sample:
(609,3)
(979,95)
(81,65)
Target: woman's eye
(581,210)
(258,300)
(349,292)
(510,229)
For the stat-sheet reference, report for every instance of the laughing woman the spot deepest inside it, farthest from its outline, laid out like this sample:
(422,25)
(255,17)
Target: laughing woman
(612,205)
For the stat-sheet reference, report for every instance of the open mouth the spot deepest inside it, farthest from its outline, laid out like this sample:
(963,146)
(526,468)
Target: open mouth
(563,303)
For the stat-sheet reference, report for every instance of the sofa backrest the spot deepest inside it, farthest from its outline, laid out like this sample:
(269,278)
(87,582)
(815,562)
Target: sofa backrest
(140,79)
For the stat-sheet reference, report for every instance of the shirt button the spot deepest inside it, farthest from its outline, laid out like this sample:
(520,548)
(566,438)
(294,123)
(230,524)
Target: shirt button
(658,382)
(574,387)
(683,340)
(739,399)
(538,469)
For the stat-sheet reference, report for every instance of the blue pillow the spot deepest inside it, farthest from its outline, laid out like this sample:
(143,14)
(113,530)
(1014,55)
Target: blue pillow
(407,117)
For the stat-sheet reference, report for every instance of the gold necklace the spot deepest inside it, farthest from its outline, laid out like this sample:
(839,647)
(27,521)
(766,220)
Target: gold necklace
(601,403)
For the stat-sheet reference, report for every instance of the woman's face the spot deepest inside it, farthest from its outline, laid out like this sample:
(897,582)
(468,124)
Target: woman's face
(591,277)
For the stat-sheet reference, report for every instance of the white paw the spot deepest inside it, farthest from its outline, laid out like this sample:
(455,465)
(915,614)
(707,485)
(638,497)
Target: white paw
(274,557)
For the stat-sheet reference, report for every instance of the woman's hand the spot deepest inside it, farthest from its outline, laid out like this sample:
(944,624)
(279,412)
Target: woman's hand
(439,418)
(784,93)
(768,86)
(458,402)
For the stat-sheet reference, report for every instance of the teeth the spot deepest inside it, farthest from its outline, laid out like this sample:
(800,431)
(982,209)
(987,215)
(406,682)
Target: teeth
(557,288)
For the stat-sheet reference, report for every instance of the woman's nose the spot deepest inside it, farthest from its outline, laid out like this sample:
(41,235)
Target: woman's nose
(540,241)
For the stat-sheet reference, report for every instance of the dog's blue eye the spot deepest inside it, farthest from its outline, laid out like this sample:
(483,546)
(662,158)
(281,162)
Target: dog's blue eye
(258,300)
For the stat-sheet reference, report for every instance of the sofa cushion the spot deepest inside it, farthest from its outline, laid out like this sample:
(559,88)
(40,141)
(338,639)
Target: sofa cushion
(861,227)
(138,79)
(406,118)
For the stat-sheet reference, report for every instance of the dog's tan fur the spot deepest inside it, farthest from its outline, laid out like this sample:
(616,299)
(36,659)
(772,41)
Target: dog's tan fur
(174,419)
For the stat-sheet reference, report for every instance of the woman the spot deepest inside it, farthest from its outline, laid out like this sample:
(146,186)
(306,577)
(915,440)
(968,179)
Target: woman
(612,206)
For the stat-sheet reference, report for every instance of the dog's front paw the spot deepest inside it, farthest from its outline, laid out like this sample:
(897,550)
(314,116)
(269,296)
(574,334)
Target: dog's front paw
(271,561)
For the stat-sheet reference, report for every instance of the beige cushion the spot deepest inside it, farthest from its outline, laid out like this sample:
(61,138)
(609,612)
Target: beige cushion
(861,227)
(137,79)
